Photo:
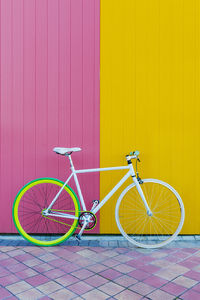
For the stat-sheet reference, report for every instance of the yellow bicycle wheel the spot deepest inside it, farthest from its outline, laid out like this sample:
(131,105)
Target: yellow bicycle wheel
(35,197)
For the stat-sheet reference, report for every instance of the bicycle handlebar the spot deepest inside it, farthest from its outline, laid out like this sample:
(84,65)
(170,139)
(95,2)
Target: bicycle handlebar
(133,155)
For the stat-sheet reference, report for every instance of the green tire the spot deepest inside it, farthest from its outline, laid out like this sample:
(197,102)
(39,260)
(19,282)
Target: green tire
(36,196)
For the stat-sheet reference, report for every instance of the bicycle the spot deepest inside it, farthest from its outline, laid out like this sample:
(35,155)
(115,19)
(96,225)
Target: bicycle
(149,212)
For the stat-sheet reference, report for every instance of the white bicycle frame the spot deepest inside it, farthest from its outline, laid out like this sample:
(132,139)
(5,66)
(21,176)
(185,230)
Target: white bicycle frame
(96,208)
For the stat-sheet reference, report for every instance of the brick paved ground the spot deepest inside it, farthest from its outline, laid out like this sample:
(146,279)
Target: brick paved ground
(88,272)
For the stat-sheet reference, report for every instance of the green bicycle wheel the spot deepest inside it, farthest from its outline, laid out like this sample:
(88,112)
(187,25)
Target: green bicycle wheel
(35,197)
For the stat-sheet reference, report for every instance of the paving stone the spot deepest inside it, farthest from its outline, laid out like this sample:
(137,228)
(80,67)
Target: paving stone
(47,257)
(4,256)
(110,253)
(174,289)
(96,281)
(196,288)
(162,263)
(191,295)
(123,268)
(4,272)
(158,294)
(4,293)
(110,262)
(8,262)
(149,269)
(141,288)
(95,294)
(139,275)
(82,274)
(67,279)
(97,268)
(185,281)
(80,287)
(17,267)
(155,281)
(37,280)
(86,253)
(70,267)
(172,272)
(125,281)
(32,262)
(24,257)
(193,275)
(31,294)
(18,287)
(26,273)
(123,258)
(128,295)
(62,294)
(111,288)
(7,280)
(53,274)
(110,274)
(15,253)
(49,287)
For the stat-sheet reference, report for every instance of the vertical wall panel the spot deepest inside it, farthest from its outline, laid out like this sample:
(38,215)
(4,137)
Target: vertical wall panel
(49,93)
(64,133)
(29,91)
(150,97)
(41,85)
(52,81)
(6,110)
(17,70)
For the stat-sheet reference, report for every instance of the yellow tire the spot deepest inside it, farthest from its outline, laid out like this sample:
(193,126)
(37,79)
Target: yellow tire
(29,204)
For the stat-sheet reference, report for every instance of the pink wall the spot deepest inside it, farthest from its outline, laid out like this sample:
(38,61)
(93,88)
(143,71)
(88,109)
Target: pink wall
(49,93)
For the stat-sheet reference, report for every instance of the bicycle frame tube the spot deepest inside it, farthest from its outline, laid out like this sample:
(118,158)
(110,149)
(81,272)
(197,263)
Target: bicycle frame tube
(139,189)
(74,173)
(60,191)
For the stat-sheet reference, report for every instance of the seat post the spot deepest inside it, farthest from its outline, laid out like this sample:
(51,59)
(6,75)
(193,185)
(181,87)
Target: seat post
(71,162)
(76,182)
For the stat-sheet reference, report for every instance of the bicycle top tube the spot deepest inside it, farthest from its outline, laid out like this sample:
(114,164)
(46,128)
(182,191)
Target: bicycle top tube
(101,169)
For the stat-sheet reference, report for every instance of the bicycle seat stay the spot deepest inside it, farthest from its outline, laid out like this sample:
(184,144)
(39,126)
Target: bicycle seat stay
(66,151)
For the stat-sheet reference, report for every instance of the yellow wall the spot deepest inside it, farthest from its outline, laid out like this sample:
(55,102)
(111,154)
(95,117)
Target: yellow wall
(150,100)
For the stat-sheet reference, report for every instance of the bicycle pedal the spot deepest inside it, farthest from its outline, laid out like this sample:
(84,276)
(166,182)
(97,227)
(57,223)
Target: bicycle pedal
(78,237)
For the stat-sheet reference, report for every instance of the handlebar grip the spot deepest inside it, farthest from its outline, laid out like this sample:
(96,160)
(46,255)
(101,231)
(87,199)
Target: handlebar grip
(136,152)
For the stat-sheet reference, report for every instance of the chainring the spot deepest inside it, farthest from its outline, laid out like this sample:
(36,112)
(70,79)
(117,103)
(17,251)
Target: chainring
(87,215)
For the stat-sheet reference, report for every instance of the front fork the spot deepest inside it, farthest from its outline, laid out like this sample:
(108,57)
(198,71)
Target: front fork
(140,191)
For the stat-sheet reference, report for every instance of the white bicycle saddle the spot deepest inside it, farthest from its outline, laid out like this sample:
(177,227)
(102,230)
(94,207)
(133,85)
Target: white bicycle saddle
(64,151)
